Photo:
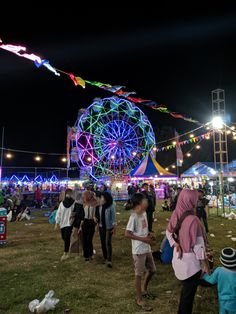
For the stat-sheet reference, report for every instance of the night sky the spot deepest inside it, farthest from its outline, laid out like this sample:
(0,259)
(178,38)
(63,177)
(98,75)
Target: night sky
(176,59)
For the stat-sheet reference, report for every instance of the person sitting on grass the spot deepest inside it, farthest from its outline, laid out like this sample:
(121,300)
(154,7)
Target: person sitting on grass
(165,206)
(24,214)
(137,231)
(225,278)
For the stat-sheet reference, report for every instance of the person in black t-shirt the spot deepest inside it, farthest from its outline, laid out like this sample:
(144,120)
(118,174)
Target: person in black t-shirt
(202,209)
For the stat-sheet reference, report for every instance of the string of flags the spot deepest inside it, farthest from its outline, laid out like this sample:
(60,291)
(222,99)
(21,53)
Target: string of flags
(77,80)
(191,140)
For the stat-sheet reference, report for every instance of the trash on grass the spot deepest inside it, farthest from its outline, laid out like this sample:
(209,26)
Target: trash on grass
(47,304)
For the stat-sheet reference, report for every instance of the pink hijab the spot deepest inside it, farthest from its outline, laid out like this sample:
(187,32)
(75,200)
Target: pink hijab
(191,227)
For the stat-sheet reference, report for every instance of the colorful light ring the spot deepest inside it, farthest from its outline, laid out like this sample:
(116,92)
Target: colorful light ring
(112,136)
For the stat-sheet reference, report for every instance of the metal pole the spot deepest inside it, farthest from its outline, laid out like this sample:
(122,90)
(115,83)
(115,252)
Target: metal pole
(3,129)
(177,168)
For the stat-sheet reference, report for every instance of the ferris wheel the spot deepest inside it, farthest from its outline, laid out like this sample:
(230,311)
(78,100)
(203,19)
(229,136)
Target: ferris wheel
(112,136)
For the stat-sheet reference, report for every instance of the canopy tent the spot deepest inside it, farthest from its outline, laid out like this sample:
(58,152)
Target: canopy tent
(208,169)
(201,169)
(149,167)
(232,167)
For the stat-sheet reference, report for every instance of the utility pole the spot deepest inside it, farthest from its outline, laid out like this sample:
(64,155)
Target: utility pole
(220,139)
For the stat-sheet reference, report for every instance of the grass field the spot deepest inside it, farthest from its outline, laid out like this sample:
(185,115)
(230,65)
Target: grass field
(30,267)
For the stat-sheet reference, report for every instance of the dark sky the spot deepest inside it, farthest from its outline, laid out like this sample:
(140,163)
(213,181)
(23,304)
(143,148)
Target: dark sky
(172,58)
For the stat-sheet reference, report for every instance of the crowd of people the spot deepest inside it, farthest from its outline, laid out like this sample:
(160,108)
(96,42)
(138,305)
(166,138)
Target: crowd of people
(19,202)
(79,219)
(185,244)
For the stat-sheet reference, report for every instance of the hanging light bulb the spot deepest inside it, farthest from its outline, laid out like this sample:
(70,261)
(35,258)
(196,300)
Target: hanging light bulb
(38,158)
(9,155)
(188,155)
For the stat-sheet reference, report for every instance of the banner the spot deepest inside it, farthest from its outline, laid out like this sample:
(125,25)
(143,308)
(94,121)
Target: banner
(69,133)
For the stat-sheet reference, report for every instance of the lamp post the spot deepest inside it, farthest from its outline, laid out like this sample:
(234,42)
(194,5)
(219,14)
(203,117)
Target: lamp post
(220,151)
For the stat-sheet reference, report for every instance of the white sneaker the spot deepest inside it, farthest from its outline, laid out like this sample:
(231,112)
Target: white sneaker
(65,256)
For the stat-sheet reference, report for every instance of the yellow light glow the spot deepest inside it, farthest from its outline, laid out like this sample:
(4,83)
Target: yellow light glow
(9,156)
(38,158)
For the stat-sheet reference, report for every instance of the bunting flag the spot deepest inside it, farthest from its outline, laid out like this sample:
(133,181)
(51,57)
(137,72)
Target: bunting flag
(20,51)
(115,89)
(191,140)
(179,153)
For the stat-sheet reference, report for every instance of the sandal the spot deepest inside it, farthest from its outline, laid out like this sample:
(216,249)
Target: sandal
(145,307)
(149,296)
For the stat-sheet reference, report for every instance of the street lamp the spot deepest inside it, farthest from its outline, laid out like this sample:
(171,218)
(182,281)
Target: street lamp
(63,159)
(217,123)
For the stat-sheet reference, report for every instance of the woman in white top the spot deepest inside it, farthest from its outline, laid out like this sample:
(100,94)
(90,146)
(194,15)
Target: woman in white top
(63,219)
(88,226)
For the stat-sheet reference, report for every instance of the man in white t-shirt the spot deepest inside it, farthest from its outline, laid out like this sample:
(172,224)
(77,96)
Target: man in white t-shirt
(137,231)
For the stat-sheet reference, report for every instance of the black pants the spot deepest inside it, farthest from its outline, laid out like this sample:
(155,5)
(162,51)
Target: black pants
(201,213)
(150,220)
(88,233)
(105,237)
(65,234)
(188,293)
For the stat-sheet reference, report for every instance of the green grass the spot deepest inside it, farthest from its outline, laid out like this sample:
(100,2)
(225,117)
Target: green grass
(30,267)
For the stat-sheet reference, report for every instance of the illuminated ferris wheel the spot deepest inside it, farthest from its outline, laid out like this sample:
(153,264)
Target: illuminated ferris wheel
(112,136)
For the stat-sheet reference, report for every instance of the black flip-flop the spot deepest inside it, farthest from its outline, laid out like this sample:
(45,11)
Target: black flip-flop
(149,296)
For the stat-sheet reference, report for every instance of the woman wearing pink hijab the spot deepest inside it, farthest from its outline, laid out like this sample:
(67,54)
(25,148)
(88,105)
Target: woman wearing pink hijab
(189,258)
